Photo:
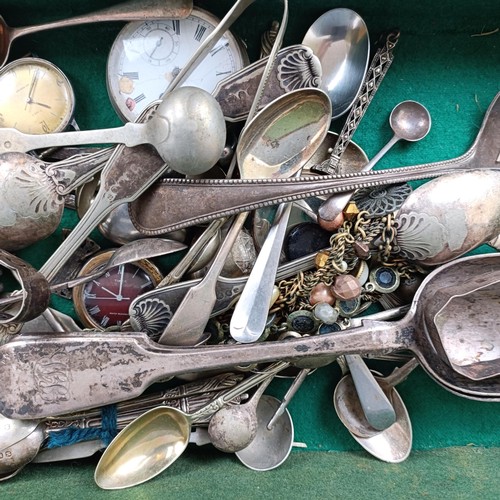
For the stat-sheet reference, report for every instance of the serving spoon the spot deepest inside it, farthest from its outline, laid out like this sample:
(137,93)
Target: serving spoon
(132,361)
(161,209)
(133,10)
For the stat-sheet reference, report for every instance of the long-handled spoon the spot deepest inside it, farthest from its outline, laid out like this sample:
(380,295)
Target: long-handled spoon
(390,445)
(275,143)
(151,443)
(410,121)
(131,362)
(133,10)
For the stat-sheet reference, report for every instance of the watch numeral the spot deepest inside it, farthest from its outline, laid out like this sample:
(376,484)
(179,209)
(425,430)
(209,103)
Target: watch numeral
(200,31)
(176,26)
(88,295)
(94,310)
(148,282)
(105,321)
(45,126)
(220,73)
(217,49)
(133,75)
(139,98)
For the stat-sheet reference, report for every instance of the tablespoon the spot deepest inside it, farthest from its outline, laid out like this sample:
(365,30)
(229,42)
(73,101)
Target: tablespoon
(151,443)
(410,121)
(351,49)
(390,445)
(133,10)
(132,362)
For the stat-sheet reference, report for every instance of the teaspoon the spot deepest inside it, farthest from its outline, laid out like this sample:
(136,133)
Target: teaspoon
(133,10)
(410,121)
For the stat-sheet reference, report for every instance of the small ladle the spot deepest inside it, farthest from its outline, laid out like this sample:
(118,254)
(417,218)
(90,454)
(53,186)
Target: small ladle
(152,442)
(390,445)
(133,10)
(410,121)
(270,447)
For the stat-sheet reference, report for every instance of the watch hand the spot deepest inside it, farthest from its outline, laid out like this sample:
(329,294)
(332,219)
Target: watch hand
(121,271)
(158,43)
(31,91)
(109,298)
(105,289)
(41,104)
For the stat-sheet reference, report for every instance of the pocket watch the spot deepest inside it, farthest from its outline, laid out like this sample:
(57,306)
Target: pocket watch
(36,97)
(105,301)
(146,56)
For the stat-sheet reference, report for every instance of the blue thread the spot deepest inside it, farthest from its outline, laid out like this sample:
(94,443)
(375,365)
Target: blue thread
(72,435)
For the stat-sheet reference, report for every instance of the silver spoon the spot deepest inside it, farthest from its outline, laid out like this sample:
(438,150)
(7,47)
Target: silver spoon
(410,121)
(339,38)
(191,148)
(233,428)
(270,446)
(390,445)
(151,443)
(133,10)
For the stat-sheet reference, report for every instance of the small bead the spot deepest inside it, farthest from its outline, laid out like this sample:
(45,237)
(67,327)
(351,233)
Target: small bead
(351,211)
(331,225)
(346,287)
(321,259)
(274,296)
(321,293)
(326,313)
(362,250)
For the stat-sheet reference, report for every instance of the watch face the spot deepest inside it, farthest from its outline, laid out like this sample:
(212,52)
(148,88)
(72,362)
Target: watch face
(36,97)
(146,56)
(104,302)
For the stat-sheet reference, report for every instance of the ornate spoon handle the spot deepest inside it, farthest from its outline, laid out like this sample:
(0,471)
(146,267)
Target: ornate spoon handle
(379,66)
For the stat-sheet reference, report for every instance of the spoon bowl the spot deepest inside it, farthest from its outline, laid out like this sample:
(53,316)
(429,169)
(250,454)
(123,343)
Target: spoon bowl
(339,38)
(270,447)
(410,121)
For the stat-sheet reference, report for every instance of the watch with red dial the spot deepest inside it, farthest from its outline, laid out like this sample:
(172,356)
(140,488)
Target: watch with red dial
(104,302)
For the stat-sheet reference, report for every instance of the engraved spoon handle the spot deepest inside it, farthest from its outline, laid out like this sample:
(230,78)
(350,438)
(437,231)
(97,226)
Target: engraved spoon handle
(379,66)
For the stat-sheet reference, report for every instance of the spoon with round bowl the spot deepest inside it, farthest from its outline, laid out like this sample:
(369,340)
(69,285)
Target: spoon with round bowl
(390,445)
(154,441)
(410,121)
(270,446)
(339,38)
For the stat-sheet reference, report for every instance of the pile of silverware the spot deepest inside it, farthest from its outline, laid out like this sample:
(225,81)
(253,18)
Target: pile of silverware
(291,253)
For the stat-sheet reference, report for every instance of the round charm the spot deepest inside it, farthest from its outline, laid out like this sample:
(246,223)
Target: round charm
(36,97)
(381,200)
(384,279)
(303,322)
(105,301)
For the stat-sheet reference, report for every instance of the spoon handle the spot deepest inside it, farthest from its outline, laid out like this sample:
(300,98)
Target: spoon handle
(249,318)
(131,134)
(68,369)
(376,406)
(379,66)
(133,10)
(189,320)
(121,181)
